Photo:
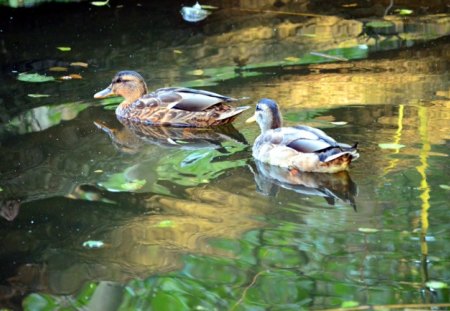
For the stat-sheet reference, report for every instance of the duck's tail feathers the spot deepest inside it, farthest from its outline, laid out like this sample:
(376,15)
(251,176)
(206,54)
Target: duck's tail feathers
(350,152)
(233,112)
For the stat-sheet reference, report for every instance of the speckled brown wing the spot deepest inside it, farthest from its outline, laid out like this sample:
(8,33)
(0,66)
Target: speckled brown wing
(216,115)
(181,107)
(141,110)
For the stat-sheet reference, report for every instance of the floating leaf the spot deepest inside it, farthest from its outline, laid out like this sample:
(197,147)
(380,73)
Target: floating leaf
(79,64)
(177,52)
(339,123)
(34,78)
(64,48)
(404,11)
(349,304)
(446,187)
(71,76)
(208,7)
(197,72)
(350,5)
(133,185)
(100,3)
(1,189)
(98,171)
(93,244)
(391,146)
(436,284)
(292,59)
(38,95)
(368,230)
(310,35)
(165,224)
(76,76)
(58,68)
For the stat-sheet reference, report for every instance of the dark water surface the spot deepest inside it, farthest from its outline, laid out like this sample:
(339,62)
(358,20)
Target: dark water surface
(123,221)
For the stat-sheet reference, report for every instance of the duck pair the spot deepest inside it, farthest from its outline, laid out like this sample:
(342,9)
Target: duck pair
(298,148)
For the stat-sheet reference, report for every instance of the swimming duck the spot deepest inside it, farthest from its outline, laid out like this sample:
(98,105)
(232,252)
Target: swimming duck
(297,148)
(173,106)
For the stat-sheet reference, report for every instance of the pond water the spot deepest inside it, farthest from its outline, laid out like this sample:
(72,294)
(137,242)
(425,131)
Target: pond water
(96,216)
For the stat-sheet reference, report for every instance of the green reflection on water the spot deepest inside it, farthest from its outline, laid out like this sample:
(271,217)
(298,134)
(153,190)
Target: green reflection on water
(42,118)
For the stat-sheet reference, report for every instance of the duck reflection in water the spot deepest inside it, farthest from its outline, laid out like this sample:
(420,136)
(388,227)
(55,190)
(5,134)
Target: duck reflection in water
(130,137)
(331,187)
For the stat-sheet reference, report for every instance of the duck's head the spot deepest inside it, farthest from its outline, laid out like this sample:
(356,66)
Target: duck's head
(128,84)
(267,115)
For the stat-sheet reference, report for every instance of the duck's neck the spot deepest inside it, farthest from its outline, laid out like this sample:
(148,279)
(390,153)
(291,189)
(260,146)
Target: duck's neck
(132,95)
(274,121)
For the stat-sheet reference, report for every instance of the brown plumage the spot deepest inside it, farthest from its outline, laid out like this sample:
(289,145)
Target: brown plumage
(173,106)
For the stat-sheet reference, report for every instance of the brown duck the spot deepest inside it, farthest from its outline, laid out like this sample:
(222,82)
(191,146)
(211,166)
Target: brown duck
(172,106)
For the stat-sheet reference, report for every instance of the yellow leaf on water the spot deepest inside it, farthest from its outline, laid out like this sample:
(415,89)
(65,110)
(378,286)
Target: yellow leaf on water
(76,76)
(38,95)
(391,146)
(166,224)
(208,7)
(404,11)
(197,72)
(98,171)
(71,76)
(64,48)
(178,52)
(79,64)
(339,123)
(350,5)
(100,3)
(57,68)
(292,59)
(368,230)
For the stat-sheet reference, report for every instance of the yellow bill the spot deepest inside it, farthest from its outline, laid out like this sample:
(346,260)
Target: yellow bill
(251,119)
(104,93)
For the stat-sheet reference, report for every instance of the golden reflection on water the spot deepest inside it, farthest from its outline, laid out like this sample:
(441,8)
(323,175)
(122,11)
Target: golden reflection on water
(156,242)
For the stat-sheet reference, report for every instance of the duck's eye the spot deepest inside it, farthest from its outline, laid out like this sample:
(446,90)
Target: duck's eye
(258,108)
(120,80)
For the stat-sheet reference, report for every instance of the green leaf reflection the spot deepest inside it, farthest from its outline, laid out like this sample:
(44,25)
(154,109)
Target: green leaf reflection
(189,168)
(43,117)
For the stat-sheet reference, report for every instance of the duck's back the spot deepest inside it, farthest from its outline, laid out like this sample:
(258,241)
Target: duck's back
(182,107)
(304,148)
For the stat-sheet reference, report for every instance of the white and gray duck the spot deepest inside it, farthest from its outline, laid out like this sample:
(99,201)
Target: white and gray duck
(297,148)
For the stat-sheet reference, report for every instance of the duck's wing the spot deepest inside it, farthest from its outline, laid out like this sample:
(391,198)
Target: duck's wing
(303,139)
(307,139)
(189,99)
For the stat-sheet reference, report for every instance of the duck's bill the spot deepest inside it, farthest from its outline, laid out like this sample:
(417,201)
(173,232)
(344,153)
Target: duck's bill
(251,119)
(104,93)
